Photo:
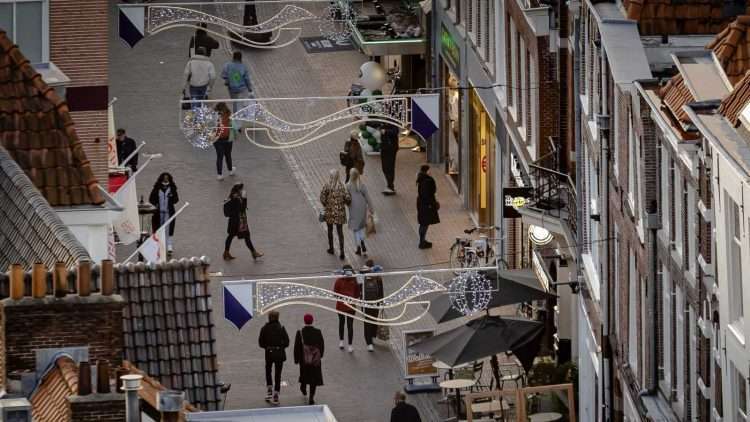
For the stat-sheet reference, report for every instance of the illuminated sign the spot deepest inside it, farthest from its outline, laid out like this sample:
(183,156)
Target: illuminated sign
(449,47)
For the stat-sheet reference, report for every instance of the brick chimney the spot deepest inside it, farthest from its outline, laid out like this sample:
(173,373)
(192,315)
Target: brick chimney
(53,318)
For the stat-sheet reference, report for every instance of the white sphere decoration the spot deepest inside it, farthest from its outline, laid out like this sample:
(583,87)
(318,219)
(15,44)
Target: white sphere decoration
(470,292)
(199,126)
(372,76)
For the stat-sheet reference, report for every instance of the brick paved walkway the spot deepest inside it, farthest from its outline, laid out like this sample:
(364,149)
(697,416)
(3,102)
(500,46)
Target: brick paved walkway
(283,190)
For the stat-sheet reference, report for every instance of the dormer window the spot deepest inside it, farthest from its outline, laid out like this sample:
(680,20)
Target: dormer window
(27,23)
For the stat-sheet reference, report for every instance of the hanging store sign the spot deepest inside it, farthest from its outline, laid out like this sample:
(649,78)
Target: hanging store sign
(449,48)
(515,199)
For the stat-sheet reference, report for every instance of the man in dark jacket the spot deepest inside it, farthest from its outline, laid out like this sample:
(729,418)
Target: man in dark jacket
(202,39)
(403,411)
(125,147)
(309,374)
(372,290)
(388,150)
(274,339)
(427,204)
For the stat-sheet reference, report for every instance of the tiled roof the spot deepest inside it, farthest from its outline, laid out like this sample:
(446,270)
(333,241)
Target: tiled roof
(734,103)
(732,48)
(677,17)
(168,326)
(150,389)
(38,132)
(49,402)
(30,230)
(676,94)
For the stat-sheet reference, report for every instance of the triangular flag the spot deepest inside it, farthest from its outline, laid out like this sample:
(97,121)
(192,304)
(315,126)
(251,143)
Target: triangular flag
(154,249)
(127,224)
(425,114)
(132,24)
(111,139)
(238,304)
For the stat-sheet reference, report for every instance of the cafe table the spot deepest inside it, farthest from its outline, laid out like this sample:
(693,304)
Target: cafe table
(444,366)
(545,417)
(457,384)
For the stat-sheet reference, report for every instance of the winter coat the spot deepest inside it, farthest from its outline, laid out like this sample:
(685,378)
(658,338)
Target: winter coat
(273,338)
(153,198)
(202,39)
(124,149)
(373,288)
(389,141)
(237,207)
(360,203)
(404,412)
(354,149)
(200,71)
(346,286)
(427,205)
(334,199)
(309,375)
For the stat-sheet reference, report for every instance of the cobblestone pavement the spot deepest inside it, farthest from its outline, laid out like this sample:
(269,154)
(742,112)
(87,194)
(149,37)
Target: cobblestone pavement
(282,190)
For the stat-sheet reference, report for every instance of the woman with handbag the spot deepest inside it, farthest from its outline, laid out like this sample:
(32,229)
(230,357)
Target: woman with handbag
(360,207)
(334,197)
(235,209)
(273,340)
(223,142)
(308,352)
(352,156)
(427,205)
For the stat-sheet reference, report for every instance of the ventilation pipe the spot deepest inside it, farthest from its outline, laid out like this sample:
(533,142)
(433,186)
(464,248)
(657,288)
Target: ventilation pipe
(131,383)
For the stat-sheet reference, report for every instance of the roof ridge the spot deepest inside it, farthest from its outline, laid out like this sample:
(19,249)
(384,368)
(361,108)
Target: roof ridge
(69,371)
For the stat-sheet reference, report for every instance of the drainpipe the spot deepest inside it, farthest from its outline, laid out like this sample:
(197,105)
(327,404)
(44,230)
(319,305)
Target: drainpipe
(604,163)
(131,383)
(653,224)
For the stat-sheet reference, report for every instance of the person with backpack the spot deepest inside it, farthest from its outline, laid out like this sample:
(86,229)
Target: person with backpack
(274,340)
(346,286)
(372,290)
(235,209)
(308,352)
(223,142)
(237,80)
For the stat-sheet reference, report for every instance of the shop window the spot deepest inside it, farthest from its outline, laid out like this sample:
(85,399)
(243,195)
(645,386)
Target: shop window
(26,23)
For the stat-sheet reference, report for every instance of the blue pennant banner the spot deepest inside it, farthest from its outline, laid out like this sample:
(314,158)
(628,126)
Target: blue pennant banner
(239,304)
(425,114)
(132,24)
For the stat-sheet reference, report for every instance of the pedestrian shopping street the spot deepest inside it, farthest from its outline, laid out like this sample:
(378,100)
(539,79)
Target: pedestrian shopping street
(283,189)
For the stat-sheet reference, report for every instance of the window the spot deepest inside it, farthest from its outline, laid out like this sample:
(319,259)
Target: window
(739,393)
(523,75)
(633,337)
(734,256)
(632,188)
(616,267)
(25,22)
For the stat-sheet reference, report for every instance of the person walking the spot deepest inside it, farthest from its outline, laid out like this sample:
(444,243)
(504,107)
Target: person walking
(199,75)
(334,196)
(237,80)
(372,290)
(235,209)
(403,411)
(308,353)
(346,286)
(125,147)
(427,205)
(223,142)
(164,197)
(388,150)
(273,340)
(359,206)
(202,39)
(352,156)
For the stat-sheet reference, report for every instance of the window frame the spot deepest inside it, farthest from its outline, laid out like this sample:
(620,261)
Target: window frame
(45,26)
(734,241)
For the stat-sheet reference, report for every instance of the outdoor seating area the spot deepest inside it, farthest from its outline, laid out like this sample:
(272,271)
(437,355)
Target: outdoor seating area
(546,403)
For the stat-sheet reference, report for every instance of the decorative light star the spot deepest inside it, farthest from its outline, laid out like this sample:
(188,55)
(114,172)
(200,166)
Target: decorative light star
(470,292)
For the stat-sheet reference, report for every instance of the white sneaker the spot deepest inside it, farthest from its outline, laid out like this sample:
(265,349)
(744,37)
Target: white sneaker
(341,344)
(351,349)
(370,348)
(231,172)
(220,177)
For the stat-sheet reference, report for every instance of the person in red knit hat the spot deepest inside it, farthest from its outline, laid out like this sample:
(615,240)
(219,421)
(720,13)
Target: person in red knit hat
(346,286)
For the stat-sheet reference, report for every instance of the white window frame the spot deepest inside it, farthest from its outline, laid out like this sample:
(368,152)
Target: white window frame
(680,341)
(632,158)
(737,377)
(667,296)
(45,24)
(633,336)
(523,124)
(733,217)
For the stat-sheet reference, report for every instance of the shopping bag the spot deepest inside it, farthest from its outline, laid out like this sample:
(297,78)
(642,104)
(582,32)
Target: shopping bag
(370,225)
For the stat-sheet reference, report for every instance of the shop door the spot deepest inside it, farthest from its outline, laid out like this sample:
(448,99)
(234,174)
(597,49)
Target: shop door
(482,162)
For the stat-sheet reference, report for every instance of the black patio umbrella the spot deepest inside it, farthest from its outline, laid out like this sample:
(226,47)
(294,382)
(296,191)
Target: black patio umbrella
(513,286)
(483,337)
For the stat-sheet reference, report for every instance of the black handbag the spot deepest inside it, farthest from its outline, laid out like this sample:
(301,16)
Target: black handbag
(345,159)
(186,105)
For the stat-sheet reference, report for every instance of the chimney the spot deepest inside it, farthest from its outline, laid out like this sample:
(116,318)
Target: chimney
(119,373)
(60,280)
(84,379)
(84,278)
(107,277)
(38,281)
(102,377)
(131,383)
(16,282)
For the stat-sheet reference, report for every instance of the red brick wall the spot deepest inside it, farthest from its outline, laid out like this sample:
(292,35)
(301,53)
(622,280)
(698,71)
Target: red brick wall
(78,32)
(97,408)
(32,324)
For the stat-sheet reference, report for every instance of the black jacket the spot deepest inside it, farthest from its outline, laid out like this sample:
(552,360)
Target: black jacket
(124,149)
(273,337)
(404,412)
(427,205)
(202,39)
(154,200)
(235,206)
(312,375)
(389,141)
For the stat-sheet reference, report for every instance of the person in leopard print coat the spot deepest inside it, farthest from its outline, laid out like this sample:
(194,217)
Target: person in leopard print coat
(334,198)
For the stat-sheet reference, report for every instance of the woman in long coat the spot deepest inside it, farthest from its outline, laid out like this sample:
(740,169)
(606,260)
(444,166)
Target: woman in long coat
(235,209)
(334,198)
(164,197)
(356,159)
(309,375)
(427,204)
(358,208)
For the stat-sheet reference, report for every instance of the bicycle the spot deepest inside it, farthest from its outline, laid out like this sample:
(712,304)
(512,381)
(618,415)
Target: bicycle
(467,252)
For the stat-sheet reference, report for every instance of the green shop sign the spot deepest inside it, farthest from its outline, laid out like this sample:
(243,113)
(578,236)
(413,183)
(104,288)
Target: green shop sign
(449,48)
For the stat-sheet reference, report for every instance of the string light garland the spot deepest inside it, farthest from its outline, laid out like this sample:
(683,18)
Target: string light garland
(199,126)
(470,292)
(336,23)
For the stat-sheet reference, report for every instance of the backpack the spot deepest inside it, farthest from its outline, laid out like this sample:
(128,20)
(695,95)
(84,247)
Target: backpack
(310,354)
(372,291)
(228,208)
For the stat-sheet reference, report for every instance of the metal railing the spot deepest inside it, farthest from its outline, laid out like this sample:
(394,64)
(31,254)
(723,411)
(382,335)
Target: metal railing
(555,192)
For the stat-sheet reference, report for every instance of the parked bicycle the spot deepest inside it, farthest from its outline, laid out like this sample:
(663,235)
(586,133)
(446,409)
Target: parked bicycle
(468,252)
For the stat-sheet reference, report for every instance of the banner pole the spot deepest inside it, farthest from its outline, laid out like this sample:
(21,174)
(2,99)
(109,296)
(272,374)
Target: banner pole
(160,227)
(132,154)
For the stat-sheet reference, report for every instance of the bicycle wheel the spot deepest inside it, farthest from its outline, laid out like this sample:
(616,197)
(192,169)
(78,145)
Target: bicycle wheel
(457,257)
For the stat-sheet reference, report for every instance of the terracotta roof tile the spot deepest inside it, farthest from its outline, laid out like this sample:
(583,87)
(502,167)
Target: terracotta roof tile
(38,132)
(732,48)
(676,17)
(49,400)
(676,94)
(734,103)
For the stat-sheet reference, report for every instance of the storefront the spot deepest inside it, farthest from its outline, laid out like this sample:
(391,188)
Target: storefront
(482,158)
(450,63)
